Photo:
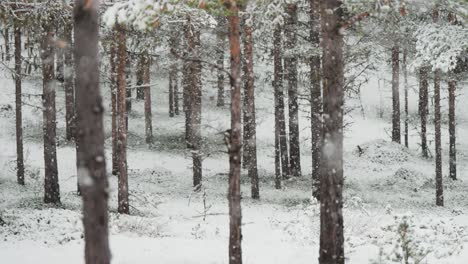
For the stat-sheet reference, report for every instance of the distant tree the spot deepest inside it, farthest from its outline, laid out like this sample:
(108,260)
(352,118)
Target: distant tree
(396,129)
(423,104)
(146,79)
(68,77)
(51,185)
(331,167)
(114,87)
(18,105)
(220,47)
(290,67)
(92,165)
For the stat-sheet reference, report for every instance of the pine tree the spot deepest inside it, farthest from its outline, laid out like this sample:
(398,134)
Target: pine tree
(18,105)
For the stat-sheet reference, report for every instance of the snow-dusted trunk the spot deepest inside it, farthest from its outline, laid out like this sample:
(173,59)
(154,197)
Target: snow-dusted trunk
(92,165)
(396,133)
(18,105)
(173,72)
(423,102)
(146,80)
(59,54)
(290,65)
(250,135)
(405,77)
(279,91)
(51,184)
(123,204)
(221,43)
(315,97)
(452,131)
(277,82)
(6,39)
(438,147)
(113,87)
(68,78)
(331,176)
(140,91)
(128,80)
(171,93)
(235,144)
(187,79)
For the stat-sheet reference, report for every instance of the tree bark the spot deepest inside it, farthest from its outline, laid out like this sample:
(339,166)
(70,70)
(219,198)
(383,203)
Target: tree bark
(452,131)
(6,34)
(113,86)
(51,184)
(140,91)
(396,134)
(290,63)
(174,43)
(438,147)
(123,203)
(92,166)
(171,93)
(278,82)
(189,43)
(221,39)
(146,62)
(423,102)
(195,108)
(235,215)
(316,97)
(405,76)
(250,138)
(68,83)
(331,197)
(18,105)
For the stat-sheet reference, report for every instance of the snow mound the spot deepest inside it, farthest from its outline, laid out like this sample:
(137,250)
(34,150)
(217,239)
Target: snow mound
(407,178)
(383,152)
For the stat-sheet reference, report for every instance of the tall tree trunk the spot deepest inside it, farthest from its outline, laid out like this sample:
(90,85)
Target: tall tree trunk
(221,39)
(113,86)
(123,204)
(171,93)
(438,148)
(250,138)
(60,55)
(51,185)
(405,76)
(278,75)
(452,131)
(235,215)
(187,72)
(316,97)
(68,83)
(331,197)
(140,91)
(195,108)
(92,165)
(290,63)
(128,79)
(277,85)
(19,122)
(6,35)
(396,134)
(423,102)
(146,62)
(174,43)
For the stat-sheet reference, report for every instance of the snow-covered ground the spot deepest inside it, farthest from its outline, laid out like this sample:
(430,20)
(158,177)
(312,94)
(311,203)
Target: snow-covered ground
(169,223)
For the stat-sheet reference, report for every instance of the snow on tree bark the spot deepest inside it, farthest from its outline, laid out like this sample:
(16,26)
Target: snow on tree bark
(396,129)
(423,103)
(92,165)
(18,105)
(51,182)
(331,169)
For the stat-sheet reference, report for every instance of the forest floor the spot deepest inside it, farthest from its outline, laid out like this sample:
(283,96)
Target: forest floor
(169,223)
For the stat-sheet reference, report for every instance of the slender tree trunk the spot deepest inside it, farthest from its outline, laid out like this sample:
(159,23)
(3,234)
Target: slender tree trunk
(452,131)
(277,83)
(250,138)
(123,204)
(221,39)
(113,84)
(235,215)
(171,93)
(175,87)
(195,108)
(405,76)
(60,55)
(331,197)
(316,97)
(92,165)
(396,134)
(438,147)
(51,185)
(189,43)
(19,122)
(68,84)
(278,72)
(423,102)
(128,79)
(146,62)
(290,63)
(6,34)
(140,91)
(174,43)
